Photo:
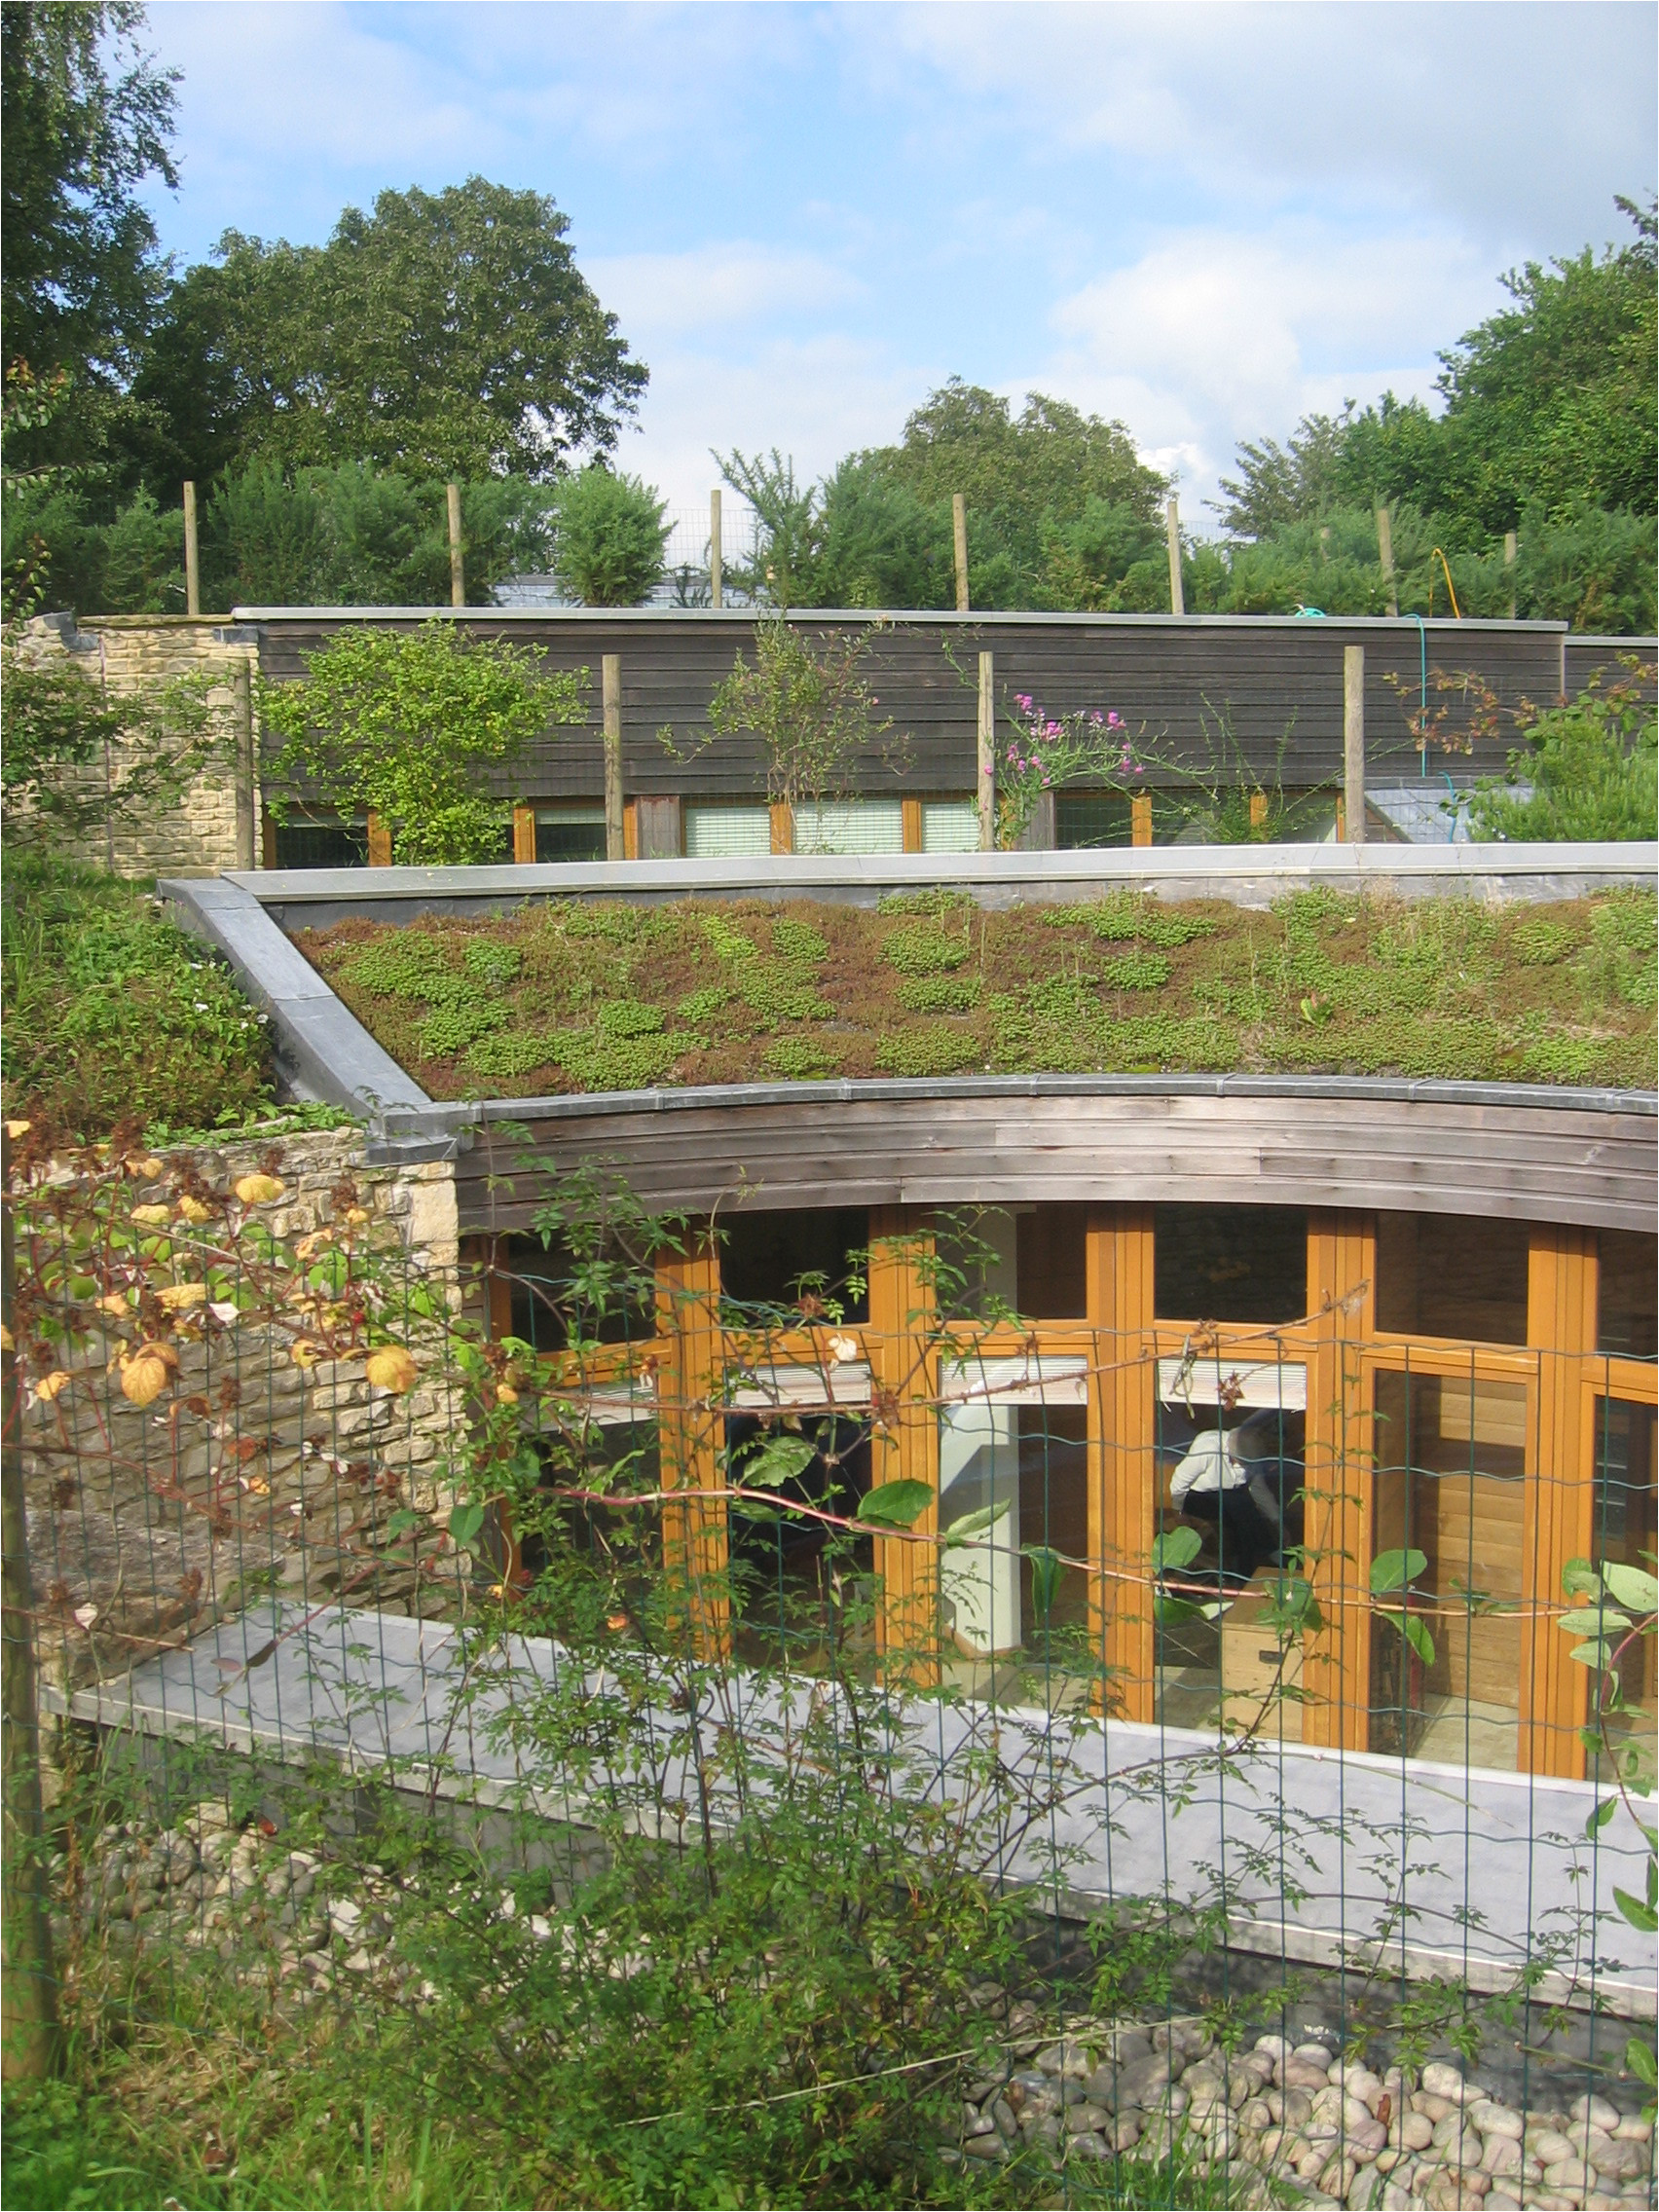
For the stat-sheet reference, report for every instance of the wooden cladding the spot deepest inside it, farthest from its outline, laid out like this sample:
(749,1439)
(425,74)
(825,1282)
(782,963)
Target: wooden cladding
(1266,677)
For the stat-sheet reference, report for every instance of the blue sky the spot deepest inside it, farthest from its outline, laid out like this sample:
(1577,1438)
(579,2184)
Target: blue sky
(1203,219)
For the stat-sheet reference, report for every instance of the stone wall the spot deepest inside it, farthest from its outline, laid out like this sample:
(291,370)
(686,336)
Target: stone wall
(254,1468)
(214,826)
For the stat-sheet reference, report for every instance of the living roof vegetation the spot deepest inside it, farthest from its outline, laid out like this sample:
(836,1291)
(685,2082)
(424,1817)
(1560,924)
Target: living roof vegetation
(599,997)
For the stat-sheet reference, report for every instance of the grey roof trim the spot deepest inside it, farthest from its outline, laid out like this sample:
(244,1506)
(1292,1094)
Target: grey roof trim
(931,617)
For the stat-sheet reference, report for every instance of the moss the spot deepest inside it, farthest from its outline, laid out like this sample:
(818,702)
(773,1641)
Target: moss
(940,994)
(799,1059)
(692,994)
(933,1049)
(494,964)
(1137,972)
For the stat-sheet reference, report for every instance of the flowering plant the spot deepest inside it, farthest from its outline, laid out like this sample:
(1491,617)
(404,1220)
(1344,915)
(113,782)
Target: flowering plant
(1040,753)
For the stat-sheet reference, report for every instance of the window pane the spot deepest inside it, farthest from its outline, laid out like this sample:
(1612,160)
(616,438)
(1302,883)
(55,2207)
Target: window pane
(1444,1276)
(571,833)
(950,825)
(1627,1526)
(851,826)
(1090,817)
(1051,1271)
(322,844)
(1229,1263)
(721,833)
(1449,1486)
(1628,1317)
(765,1255)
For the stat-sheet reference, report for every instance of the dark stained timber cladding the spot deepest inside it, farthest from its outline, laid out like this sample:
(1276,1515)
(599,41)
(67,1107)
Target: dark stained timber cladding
(1604,658)
(1268,693)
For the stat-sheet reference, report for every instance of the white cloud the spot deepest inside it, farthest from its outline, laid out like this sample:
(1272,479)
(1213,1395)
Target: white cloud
(719,285)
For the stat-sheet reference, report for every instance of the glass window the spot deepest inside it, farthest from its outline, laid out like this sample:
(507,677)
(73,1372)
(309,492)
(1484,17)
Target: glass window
(783,1596)
(1627,1526)
(569,833)
(764,1256)
(1447,1505)
(1051,1263)
(851,826)
(950,825)
(1447,1276)
(1229,1263)
(1228,1470)
(1087,818)
(1628,1307)
(727,833)
(322,844)
(547,1293)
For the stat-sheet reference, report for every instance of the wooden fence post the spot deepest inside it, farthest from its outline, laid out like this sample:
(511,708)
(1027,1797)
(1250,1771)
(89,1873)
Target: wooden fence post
(246,780)
(1386,555)
(1353,744)
(959,534)
(1173,531)
(192,553)
(1511,549)
(987,753)
(715,551)
(458,565)
(615,836)
(1140,818)
(28,1990)
(523,837)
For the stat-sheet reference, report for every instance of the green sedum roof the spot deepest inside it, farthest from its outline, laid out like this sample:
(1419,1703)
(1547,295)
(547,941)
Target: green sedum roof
(603,996)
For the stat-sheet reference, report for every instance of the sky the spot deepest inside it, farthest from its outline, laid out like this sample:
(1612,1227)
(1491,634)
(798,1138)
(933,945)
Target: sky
(1203,220)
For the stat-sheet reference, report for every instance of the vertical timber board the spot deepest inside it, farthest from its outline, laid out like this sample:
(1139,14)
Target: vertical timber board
(691,1434)
(1558,1512)
(1123,1489)
(912,820)
(904,1438)
(379,842)
(1140,818)
(523,837)
(783,827)
(1342,1305)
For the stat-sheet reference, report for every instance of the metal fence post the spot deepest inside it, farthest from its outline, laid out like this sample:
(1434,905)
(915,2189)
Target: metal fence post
(28,1993)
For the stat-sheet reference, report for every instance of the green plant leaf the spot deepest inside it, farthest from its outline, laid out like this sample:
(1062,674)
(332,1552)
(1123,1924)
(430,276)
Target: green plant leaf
(1579,1579)
(1415,1633)
(1640,2061)
(1394,1569)
(464,1522)
(1175,1549)
(896,1505)
(1597,1654)
(1602,1815)
(973,1525)
(780,1459)
(402,1522)
(1588,1620)
(1047,1569)
(1633,1587)
(1639,1915)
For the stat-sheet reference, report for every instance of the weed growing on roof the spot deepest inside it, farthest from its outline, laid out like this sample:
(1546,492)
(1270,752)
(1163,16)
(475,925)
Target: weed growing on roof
(924,952)
(1137,972)
(700,1007)
(799,1059)
(450,1029)
(935,1049)
(938,902)
(1540,939)
(940,994)
(505,1056)
(491,963)
(1323,981)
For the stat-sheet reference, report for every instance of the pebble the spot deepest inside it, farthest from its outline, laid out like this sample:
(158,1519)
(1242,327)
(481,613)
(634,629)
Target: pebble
(1566,2173)
(1442,2081)
(1597,2110)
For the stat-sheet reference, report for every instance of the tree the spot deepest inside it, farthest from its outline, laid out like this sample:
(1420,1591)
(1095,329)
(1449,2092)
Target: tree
(447,334)
(813,713)
(86,116)
(608,537)
(406,726)
(1296,482)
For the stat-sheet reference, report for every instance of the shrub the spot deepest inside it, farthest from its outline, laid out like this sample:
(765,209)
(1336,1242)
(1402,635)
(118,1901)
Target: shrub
(112,1015)
(608,537)
(1591,770)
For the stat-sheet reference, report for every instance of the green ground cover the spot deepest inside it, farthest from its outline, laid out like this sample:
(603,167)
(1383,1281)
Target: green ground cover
(112,1017)
(566,997)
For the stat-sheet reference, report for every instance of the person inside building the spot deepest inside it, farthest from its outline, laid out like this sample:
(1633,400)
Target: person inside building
(1244,1480)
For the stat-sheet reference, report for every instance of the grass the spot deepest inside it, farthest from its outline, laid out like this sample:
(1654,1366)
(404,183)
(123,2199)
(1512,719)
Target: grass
(112,1017)
(565,997)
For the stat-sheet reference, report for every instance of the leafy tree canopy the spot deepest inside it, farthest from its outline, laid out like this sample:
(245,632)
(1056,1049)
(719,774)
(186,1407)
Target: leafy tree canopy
(609,538)
(86,116)
(449,334)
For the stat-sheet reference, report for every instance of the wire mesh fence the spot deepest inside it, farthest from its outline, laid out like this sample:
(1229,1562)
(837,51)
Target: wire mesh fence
(875,1738)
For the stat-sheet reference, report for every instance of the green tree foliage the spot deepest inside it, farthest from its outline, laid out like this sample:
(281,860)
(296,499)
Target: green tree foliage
(1059,512)
(813,712)
(1585,771)
(86,117)
(408,725)
(609,538)
(447,334)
